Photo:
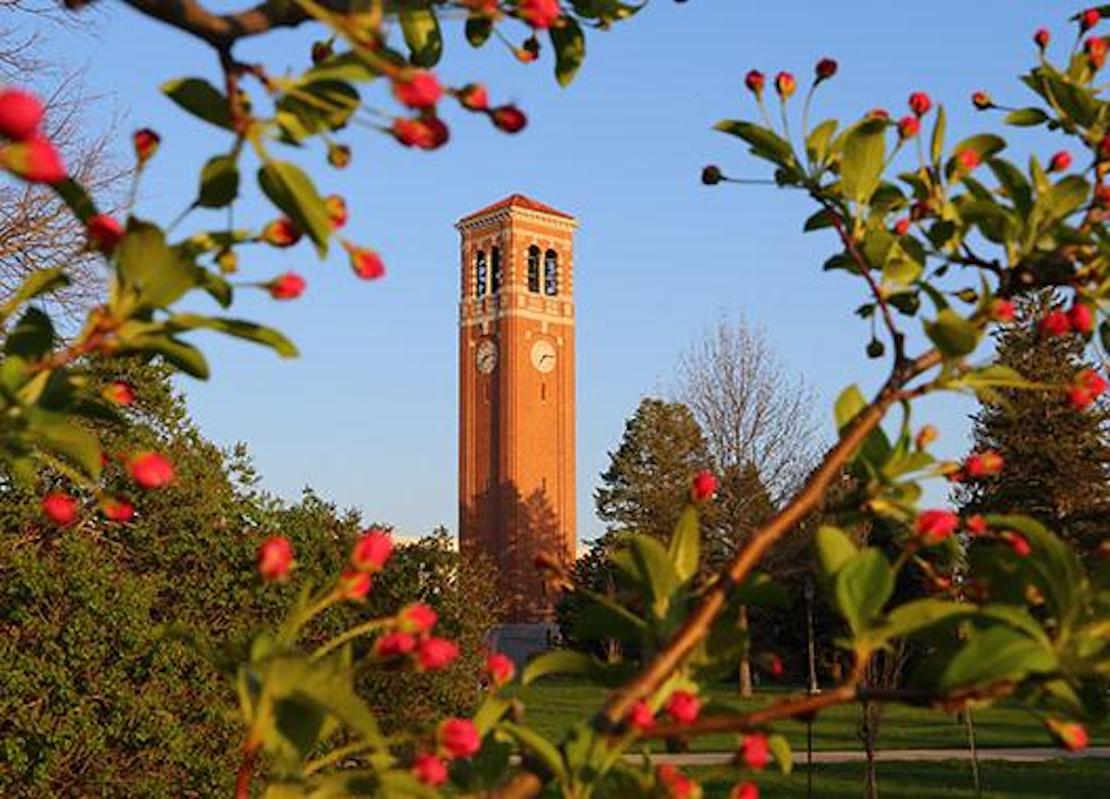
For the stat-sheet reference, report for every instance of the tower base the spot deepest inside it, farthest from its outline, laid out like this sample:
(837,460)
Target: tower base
(522,642)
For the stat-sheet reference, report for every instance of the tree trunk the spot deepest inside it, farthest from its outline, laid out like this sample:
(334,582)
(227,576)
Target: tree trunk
(745,672)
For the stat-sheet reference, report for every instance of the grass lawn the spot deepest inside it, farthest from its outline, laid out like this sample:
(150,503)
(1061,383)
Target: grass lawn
(553,705)
(1074,779)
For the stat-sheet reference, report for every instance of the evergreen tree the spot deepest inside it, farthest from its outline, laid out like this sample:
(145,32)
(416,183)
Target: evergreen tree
(1057,459)
(648,478)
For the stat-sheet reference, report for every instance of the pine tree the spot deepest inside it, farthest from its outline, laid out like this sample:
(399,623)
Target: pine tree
(1057,459)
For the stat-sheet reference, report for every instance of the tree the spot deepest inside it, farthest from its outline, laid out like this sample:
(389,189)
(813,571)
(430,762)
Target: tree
(1057,461)
(760,433)
(649,473)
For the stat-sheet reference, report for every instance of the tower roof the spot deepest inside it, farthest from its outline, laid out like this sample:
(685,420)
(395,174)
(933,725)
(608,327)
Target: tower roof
(517,201)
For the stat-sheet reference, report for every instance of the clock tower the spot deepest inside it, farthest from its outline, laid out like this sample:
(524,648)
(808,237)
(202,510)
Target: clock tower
(516,396)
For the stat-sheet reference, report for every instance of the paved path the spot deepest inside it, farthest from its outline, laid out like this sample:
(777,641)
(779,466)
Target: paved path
(1011,755)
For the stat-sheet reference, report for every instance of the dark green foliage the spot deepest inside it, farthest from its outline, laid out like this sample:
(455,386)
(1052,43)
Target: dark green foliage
(1057,459)
(98,697)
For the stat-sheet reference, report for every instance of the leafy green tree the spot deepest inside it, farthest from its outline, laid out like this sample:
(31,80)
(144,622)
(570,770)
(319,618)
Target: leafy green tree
(1057,460)
(649,473)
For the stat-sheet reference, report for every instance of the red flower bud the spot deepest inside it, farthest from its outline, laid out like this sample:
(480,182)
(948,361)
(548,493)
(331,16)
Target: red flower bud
(1042,38)
(458,738)
(676,785)
(785,84)
(902,226)
(933,526)
(424,133)
(1104,147)
(878,113)
(151,470)
(473,97)
(394,644)
(704,486)
(339,155)
(908,127)
(926,436)
(34,160)
(982,100)
(146,143)
(1081,318)
(286,287)
(1088,19)
(500,669)
(508,118)
(1002,310)
(429,769)
(355,585)
(20,114)
(282,232)
(920,103)
(275,558)
(418,89)
(1095,48)
(104,233)
(746,790)
(975,524)
(825,69)
(372,550)
(776,669)
(321,51)
(1060,162)
(1071,735)
(60,508)
(968,159)
(755,81)
(117,510)
(1102,195)
(1089,385)
(1018,544)
(417,618)
(540,14)
(366,263)
(336,207)
(433,654)
(754,751)
(640,717)
(983,464)
(120,392)
(1055,323)
(683,707)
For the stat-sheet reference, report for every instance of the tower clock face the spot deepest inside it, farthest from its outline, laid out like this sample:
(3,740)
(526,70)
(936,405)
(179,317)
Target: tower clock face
(486,357)
(543,355)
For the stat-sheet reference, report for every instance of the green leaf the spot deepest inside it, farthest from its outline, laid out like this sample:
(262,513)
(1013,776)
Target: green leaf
(862,586)
(764,142)
(146,264)
(919,614)
(954,336)
(323,105)
(817,143)
(1026,117)
(291,190)
(861,164)
(570,49)
(421,30)
(655,570)
(1067,196)
(848,406)
(536,745)
(39,282)
(684,549)
(834,549)
(602,619)
(818,221)
(178,353)
(201,99)
(994,655)
(56,433)
(560,661)
(478,30)
(1014,182)
(780,748)
(936,147)
(32,337)
(347,67)
(238,328)
(219,182)
(984,144)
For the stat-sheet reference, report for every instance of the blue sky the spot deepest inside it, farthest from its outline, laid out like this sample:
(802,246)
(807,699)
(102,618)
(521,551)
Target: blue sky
(367,414)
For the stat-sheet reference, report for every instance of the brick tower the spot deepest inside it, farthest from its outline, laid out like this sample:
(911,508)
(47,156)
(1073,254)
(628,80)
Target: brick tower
(516,395)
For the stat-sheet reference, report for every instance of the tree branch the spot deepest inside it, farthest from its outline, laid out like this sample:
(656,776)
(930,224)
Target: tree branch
(221,30)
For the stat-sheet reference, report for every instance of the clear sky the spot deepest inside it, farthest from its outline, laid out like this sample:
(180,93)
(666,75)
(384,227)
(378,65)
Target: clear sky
(367,415)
